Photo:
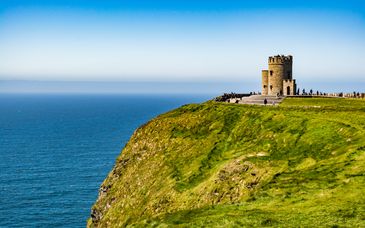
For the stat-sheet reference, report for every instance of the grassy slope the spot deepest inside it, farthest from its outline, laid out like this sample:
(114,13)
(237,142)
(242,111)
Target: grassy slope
(220,164)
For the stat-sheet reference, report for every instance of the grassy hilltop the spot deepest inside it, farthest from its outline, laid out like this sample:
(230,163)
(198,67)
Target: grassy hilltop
(215,164)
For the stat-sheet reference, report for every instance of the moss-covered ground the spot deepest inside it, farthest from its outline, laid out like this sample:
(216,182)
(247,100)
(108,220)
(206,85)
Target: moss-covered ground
(214,164)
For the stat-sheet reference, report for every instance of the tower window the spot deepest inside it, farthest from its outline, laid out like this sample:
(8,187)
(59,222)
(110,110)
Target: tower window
(264,86)
(271,87)
(271,72)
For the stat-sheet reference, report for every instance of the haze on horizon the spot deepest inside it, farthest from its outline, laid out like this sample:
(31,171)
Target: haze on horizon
(181,41)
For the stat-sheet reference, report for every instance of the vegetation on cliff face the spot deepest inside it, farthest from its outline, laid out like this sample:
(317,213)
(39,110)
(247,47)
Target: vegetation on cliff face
(298,164)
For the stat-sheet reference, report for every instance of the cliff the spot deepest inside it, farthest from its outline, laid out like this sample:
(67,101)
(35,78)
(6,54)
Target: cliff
(215,164)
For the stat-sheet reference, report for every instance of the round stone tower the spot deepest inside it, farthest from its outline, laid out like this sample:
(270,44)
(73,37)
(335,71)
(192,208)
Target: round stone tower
(280,69)
(265,82)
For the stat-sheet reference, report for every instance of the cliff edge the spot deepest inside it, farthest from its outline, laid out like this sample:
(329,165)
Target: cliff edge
(215,164)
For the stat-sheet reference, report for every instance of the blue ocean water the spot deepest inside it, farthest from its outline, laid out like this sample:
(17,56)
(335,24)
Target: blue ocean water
(55,151)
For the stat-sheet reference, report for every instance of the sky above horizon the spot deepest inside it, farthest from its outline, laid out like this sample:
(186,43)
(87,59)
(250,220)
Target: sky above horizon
(191,41)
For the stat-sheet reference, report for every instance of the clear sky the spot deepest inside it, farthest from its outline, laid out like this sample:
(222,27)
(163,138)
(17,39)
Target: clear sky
(172,41)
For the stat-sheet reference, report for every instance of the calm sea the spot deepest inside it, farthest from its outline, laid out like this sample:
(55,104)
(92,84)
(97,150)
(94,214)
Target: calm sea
(55,151)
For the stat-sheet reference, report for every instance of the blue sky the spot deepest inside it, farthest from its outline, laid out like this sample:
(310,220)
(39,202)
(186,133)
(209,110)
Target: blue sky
(182,41)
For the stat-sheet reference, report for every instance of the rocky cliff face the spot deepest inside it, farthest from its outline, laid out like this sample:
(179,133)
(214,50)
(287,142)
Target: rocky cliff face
(218,164)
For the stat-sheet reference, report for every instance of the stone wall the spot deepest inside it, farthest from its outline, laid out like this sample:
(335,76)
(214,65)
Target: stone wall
(265,82)
(276,73)
(289,87)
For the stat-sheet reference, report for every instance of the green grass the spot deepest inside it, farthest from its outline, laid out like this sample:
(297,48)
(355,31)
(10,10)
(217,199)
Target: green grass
(326,102)
(215,164)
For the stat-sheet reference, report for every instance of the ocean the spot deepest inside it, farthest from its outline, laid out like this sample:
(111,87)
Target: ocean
(55,151)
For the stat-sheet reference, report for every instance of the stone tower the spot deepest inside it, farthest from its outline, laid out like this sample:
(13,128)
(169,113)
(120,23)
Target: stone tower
(278,79)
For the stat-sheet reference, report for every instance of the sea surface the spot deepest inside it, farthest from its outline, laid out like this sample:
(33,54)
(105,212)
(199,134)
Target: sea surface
(55,151)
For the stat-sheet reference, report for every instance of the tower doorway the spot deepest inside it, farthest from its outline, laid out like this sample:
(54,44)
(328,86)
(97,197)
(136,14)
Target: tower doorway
(288,90)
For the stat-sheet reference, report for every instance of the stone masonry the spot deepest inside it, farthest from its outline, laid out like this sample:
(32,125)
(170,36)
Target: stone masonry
(278,79)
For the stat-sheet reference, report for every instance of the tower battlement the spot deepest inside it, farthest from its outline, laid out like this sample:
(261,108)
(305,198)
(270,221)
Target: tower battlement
(288,80)
(281,59)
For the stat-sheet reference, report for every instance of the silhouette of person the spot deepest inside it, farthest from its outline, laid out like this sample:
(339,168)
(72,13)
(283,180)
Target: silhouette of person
(265,101)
